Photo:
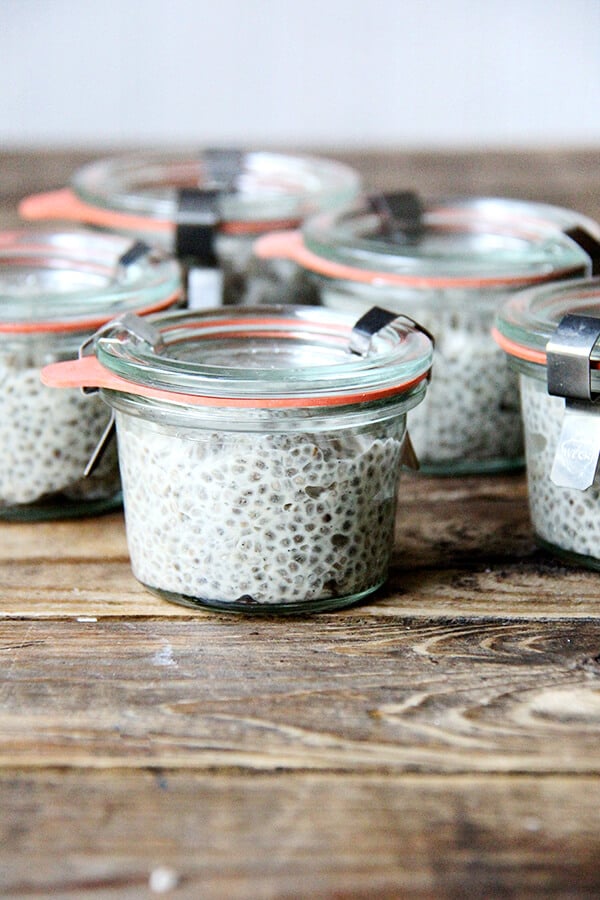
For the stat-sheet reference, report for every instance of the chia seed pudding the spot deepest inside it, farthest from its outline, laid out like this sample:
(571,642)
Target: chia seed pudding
(451,270)
(470,420)
(563,518)
(561,416)
(55,289)
(47,438)
(259,519)
(260,452)
(161,197)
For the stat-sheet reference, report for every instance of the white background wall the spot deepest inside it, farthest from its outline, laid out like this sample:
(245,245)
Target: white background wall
(333,73)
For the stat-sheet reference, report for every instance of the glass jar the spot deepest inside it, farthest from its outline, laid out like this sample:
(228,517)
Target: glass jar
(551,336)
(259,450)
(56,289)
(207,208)
(450,265)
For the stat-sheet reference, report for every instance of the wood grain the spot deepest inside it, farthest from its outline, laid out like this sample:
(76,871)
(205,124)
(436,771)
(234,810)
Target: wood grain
(350,693)
(535,588)
(100,538)
(313,835)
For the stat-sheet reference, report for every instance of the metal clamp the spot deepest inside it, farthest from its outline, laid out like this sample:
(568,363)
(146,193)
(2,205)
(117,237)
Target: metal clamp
(223,166)
(400,213)
(198,217)
(589,244)
(134,326)
(199,208)
(568,357)
(372,322)
(138,250)
(360,343)
(130,324)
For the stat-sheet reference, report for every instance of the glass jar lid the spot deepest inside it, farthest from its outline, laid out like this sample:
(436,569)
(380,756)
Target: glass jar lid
(464,242)
(252,187)
(287,356)
(530,318)
(72,280)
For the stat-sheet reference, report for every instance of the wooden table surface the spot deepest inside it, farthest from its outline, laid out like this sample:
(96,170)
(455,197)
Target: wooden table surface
(441,740)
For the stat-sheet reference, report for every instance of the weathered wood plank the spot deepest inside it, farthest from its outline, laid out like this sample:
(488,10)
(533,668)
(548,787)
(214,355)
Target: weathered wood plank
(559,175)
(310,835)
(356,693)
(463,547)
(99,538)
(536,588)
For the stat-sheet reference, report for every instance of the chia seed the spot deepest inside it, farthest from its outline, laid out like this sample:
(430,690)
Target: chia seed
(470,418)
(564,518)
(195,545)
(47,438)
(471,415)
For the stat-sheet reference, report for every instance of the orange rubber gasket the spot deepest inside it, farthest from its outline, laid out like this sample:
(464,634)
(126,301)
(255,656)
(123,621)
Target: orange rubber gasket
(290,245)
(80,324)
(520,351)
(89,372)
(65,204)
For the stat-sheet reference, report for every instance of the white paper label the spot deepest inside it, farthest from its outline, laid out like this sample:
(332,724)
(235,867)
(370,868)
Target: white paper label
(578,449)
(205,288)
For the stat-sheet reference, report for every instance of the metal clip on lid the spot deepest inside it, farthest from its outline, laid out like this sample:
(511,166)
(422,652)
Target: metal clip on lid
(131,325)
(223,166)
(568,355)
(198,208)
(368,325)
(589,244)
(372,322)
(360,343)
(138,250)
(401,214)
(198,217)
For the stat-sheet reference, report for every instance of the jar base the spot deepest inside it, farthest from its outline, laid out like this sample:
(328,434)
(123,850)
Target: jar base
(569,556)
(48,510)
(248,606)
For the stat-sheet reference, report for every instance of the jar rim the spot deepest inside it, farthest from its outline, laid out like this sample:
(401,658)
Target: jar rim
(256,357)
(529,318)
(267,189)
(55,280)
(463,242)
